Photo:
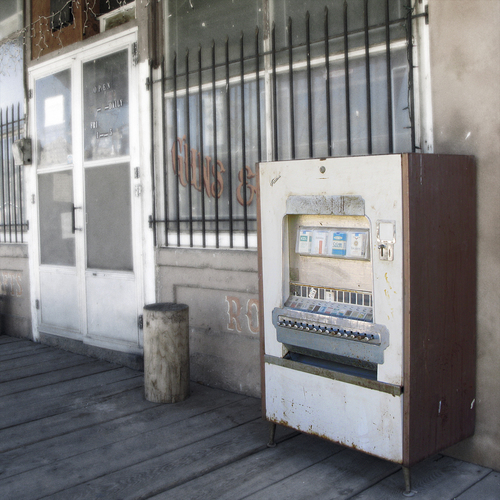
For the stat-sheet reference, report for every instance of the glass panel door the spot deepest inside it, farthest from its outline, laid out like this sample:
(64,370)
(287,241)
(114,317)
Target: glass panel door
(107,201)
(58,299)
(57,234)
(58,277)
(110,285)
(53,120)
(106,107)
(86,264)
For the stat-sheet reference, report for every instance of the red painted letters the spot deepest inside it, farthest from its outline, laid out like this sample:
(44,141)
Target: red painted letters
(203,174)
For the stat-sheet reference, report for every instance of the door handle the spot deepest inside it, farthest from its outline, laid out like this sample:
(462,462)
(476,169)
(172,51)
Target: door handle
(73,228)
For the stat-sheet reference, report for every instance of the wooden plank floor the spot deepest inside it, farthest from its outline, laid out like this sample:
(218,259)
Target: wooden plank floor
(72,427)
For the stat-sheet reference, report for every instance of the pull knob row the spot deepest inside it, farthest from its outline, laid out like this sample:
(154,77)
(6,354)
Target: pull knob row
(328,330)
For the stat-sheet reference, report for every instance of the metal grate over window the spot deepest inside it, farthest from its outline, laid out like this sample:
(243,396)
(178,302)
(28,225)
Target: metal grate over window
(12,208)
(342,89)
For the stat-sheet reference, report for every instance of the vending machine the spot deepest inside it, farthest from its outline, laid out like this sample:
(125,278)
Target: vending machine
(368,312)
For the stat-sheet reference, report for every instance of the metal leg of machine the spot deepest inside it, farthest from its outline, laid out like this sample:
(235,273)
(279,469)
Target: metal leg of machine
(272,434)
(407,475)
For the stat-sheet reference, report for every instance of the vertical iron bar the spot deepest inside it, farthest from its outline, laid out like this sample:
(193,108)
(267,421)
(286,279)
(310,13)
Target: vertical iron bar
(257,81)
(411,103)
(368,84)
(20,191)
(176,160)
(21,170)
(292,93)
(347,90)
(165,155)
(214,117)
(389,77)
(243,139)
(8,176)
(275,97)
(188,156)
(328,103)
(152,153)
(229,152)
(14,183)
(3,175)
(201,156)
(309,86)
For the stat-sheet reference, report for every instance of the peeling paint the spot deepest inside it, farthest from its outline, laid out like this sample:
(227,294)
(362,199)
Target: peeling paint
(275,180)
(387,280)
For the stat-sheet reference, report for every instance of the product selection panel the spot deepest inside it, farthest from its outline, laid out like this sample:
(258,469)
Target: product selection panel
(337,317)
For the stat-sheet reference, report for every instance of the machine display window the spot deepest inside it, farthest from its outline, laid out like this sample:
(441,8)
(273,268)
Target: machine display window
(339,243)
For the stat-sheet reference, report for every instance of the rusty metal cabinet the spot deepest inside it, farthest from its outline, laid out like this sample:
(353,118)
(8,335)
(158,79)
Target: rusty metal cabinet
(373,350)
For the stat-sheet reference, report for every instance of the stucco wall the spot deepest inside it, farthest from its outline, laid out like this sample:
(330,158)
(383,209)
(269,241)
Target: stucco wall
(15,313)
(465,73)
(221,289)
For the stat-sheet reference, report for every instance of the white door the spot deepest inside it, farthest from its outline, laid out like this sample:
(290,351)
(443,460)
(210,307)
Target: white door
(88,264)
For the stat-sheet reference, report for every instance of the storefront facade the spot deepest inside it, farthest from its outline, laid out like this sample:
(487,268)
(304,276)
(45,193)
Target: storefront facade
(146,131)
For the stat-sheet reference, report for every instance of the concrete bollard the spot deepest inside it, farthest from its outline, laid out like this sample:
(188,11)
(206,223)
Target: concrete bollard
(166,352)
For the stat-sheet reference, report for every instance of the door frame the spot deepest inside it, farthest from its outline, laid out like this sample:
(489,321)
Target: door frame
(143,248)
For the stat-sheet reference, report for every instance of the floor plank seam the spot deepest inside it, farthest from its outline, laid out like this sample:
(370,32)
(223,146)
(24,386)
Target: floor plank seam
(105,370)
(64,407)
(25,355)
(295,473)
(52,370)
(135,412)
(152,457)
(24,445)
(474,484)
(186,480)
(8,337)
(292,474)
(383,478)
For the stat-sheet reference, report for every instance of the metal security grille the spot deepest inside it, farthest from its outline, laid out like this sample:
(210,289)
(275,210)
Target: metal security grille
(342,93)
(12,213)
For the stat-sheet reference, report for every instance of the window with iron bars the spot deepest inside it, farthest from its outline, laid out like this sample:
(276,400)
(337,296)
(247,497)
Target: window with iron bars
(13,223)
(309,81)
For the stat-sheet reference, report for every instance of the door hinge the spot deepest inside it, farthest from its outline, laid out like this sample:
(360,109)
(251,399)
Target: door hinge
(135,54)
(37,304)
(140,322)
(30,94)
(136,173)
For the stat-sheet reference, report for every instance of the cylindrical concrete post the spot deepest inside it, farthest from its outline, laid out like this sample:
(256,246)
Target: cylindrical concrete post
(166,352)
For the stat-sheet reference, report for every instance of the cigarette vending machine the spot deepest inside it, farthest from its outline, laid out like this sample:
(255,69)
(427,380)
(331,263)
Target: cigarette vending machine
(368,271)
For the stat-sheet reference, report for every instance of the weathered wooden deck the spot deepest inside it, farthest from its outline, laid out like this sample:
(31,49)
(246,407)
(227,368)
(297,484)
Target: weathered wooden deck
(72,427)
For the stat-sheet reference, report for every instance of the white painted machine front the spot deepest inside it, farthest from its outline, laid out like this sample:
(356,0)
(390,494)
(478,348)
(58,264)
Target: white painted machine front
(343,194)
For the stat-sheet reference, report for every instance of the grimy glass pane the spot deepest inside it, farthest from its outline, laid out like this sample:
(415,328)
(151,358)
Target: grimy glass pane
(196,23)
(11,74)
(109,232)
(53,119)
(282,10)
(11,17)
(57,240)
(106,107)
